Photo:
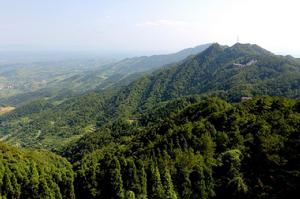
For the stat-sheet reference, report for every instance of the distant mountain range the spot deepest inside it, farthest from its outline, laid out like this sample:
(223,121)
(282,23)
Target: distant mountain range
(62,79)
(145,63)
(233,73)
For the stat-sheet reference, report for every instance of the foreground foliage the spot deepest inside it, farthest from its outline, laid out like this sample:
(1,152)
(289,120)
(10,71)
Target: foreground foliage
(201,148)
(34,174)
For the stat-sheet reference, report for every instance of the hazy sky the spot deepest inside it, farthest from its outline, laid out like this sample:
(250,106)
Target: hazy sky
(148,25)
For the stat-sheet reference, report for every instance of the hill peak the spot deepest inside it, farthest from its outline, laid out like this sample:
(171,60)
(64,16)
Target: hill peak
(249,48)
(213,50)
(217,46)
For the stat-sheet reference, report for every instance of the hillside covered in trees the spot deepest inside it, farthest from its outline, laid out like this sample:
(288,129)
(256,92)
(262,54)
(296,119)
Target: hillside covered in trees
(210,149)
(202,148)
(232,73)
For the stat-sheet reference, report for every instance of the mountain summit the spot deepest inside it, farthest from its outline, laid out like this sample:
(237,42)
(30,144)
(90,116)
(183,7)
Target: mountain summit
(232,72)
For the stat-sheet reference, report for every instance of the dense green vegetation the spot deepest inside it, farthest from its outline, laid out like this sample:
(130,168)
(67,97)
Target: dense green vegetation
(242,70)
(210,149)
(202,148)
(34,174)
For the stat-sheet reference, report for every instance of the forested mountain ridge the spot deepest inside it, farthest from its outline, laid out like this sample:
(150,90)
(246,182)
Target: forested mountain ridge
(242,70)
(230,72)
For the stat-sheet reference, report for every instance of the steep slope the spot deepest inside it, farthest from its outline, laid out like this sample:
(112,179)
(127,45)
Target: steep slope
(242,70)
